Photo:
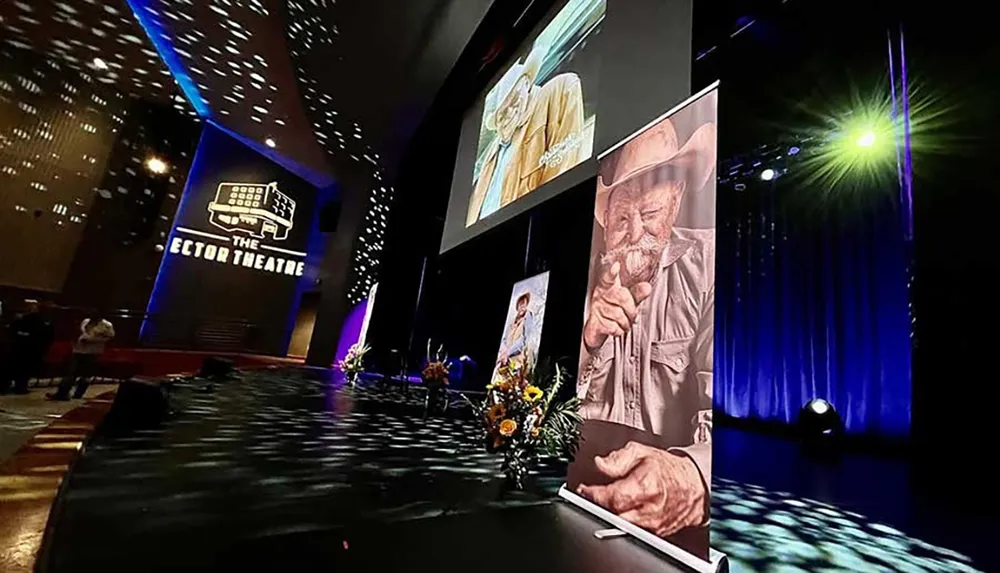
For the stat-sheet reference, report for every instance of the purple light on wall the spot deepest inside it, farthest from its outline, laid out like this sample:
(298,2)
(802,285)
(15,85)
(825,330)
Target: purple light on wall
(907,149)
(350,333)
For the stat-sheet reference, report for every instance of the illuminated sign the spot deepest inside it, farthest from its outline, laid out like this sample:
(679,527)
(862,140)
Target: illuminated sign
(253,213)
(258,210)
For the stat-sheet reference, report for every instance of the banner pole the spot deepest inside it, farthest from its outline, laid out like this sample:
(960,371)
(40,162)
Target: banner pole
(719,562)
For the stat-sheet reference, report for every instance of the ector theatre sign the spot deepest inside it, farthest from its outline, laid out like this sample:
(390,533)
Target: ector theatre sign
(256,218)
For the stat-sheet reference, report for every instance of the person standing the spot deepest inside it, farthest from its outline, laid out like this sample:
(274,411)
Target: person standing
(30,337)
(95,333)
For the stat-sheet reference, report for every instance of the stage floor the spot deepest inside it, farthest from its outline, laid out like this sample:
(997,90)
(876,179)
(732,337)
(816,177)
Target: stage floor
(281,471)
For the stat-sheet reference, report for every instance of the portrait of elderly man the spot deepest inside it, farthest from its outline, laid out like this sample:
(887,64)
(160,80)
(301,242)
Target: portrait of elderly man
(645,374)
(538,133)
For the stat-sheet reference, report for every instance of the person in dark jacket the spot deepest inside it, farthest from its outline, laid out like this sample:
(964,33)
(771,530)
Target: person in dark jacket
(31,335)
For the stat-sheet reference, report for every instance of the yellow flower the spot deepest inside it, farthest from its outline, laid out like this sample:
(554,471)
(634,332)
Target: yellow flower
(496,412)
(508,427)
(532,394)
(535,432)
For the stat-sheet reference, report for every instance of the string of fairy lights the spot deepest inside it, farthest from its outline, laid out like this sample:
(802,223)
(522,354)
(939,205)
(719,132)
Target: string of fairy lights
(311,36)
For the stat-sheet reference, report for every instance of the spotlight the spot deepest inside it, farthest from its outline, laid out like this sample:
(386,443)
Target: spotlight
(866,139)
(156,166)
(99,64)
(767,174)
(818,420)
(270,142)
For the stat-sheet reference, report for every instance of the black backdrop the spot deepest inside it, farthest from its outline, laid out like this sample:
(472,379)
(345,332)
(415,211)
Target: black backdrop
(465,292)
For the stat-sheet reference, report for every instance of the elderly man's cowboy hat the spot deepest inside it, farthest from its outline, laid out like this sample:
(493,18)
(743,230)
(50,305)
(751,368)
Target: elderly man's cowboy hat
(657,150)
(529,67)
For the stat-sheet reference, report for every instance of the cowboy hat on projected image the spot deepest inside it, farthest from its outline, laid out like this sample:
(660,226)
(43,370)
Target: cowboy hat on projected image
(645,372)
(538,120)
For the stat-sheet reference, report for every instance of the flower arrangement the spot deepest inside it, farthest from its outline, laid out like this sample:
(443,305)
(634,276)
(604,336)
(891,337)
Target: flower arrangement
(522,419)
(354,363)
(436,371)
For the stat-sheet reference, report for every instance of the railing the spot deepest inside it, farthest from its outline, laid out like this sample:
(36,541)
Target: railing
(135,329)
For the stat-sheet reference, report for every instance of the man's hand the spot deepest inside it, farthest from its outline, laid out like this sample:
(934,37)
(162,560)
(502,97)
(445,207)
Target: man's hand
(613,308)
(654,489)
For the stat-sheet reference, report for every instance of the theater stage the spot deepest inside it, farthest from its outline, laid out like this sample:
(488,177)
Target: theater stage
(282,471)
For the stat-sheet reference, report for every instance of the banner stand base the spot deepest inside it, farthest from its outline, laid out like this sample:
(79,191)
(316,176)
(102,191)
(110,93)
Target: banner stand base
(718,563)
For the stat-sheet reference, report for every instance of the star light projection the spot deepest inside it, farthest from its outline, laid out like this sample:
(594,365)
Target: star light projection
(231,57)
(241,64)
(98,38)
(310,40)
(71,75)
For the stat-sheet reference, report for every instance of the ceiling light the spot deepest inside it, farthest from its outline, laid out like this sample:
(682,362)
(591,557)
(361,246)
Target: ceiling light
(156,165)
(99,64)
(270,142)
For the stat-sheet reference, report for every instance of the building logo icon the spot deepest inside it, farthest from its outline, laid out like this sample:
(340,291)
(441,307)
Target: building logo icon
(257,210)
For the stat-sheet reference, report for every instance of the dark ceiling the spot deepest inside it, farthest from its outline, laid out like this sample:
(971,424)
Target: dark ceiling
(74,32)
(332,85)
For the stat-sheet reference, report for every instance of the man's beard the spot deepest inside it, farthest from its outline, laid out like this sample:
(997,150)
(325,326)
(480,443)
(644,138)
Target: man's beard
(637,261)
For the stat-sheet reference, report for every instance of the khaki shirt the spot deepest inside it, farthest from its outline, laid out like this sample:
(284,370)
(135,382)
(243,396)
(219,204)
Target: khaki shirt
(658,377)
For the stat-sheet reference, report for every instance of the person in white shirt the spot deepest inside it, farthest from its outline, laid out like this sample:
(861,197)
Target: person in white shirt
(95,333)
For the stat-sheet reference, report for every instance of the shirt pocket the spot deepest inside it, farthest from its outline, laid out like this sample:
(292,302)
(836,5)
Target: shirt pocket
(674,354)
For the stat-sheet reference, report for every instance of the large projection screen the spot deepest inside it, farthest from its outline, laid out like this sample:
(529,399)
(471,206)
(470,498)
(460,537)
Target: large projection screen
(603,67)
(533,132)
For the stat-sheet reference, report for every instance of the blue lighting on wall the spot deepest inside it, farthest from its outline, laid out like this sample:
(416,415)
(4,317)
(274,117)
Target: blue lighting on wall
(157,34)
(316,179)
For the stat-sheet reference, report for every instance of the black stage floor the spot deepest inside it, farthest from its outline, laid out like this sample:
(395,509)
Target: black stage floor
(281,471)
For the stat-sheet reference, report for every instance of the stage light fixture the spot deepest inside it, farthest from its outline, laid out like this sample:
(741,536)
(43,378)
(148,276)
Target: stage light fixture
(270,142)
(819,420)
(767,174)
(867,138)
(156,166)
(99,64)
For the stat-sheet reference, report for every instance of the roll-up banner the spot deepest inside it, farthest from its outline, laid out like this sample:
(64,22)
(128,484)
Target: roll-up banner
(645,372)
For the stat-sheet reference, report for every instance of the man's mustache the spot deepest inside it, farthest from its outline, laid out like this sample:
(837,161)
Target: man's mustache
(634,255)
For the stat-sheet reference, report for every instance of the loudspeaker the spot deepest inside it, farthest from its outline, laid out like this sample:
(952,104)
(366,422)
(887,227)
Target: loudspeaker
(139,403)
(216,368)
(329,216)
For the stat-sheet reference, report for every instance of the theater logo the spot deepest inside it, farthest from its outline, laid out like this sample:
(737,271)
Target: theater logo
(254,215)
(257,210)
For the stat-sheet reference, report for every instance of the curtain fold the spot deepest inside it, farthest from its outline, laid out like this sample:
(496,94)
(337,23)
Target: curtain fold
(812,302)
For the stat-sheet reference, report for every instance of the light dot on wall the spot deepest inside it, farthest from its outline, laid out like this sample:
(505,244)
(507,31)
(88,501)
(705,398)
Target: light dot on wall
(157,166)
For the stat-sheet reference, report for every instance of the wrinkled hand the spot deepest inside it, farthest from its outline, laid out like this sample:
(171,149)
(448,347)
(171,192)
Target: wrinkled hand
(613,308)
(654,489)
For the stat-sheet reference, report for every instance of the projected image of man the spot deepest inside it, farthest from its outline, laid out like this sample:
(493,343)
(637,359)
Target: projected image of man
(538,135)
(646,361)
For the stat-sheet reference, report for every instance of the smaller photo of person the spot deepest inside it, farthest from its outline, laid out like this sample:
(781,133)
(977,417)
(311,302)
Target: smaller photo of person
(523,328)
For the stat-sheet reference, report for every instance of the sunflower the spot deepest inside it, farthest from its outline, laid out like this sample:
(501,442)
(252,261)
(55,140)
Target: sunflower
(508,427)
(496,412)
(532,394)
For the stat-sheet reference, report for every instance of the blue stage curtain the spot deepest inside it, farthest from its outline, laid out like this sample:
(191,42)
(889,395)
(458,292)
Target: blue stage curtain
(812,302)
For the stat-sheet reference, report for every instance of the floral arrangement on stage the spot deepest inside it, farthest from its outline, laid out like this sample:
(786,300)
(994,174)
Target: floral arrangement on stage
(436,371)
(522,418)
(354,363)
